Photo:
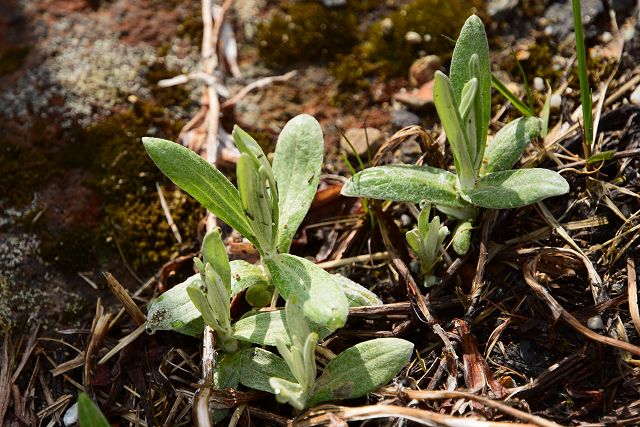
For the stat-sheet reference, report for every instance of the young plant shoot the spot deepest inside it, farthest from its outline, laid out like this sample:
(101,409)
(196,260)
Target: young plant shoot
(426,241)
(483,178)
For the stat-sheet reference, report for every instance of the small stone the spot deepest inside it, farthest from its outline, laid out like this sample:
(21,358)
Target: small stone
(359,137)
(424,69)
(595,323)
(556,101)
(71,416)
(538,84)
(413,37)
(606,37)
(387,26)
(403,118)
(499,9)
(417,98)
(635,96)
(405,220)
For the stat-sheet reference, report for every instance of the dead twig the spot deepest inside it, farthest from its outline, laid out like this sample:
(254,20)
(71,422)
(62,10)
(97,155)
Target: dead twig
(559,312)
(633,294)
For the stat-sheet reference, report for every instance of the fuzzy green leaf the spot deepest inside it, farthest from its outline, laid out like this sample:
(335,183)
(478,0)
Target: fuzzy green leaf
(361,369)
(265,328)
(227,372)
(173,310)
(357,295)
(296,165)
(462,237)
(455,129)
(515,188)
(259,365)
(321,299)
(406,183)
(214,252)
(473,40)
(245,275)
(256,201)
(509,143)
(201,180)
(89,415)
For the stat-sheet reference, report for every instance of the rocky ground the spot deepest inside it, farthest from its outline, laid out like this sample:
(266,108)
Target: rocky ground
(78,195)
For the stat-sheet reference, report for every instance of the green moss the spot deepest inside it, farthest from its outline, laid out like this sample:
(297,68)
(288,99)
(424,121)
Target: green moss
(434,20)
(12,58)
(175,96)
(23,169)
(125,176)
(308,31)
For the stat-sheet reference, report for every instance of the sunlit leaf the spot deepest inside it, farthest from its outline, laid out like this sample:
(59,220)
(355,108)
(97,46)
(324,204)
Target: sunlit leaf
(321,299)
(201,180)
(509,143)
(473,40)
(357,295)
(406,183)
(296,165)
(214,252)
(515,188)
(173,310)
(361,369)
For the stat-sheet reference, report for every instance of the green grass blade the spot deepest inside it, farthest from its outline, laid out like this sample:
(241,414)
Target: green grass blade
(585,90)
(511,97)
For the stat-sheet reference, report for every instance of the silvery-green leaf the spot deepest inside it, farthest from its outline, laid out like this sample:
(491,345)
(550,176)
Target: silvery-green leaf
(227,372)
(201,180)
(469,114)
(246,144)
(200,301)
(255,203)
(321,299)
(361,369)
(265,328)
(515,188)
(89,415)
(173,310)
(414,239)
(509,143)
(259,365)
(454,128)
(296,165)
(244,275)
(462,237)
(357,295)
(406,183)
(218,298)
(214,252)
(288,392)
(473,40)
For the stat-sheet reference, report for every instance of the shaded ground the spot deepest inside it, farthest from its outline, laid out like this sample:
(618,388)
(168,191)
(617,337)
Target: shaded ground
(78,195)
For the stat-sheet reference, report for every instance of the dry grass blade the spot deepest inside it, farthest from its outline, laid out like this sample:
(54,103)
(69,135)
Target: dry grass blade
(633,294)
(325,415)
(123,296)
(123,343)
(99,330)
(503,407)
(5,375)
(558,311)
(411,132)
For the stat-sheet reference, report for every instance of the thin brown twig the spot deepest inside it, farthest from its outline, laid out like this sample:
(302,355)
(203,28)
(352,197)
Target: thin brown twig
(633,293)
(496,404)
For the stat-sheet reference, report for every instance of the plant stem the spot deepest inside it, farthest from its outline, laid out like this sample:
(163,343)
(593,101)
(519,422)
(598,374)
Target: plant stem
(585,91)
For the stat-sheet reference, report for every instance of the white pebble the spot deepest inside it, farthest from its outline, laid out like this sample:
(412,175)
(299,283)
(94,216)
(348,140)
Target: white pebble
(538,84)
(556,101)
(635,96)
(595,323)
(71,416)
(606,37)
(413,37)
